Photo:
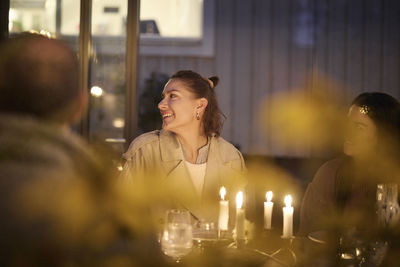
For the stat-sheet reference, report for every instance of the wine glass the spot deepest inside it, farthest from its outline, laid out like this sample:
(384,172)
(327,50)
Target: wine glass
(176,241)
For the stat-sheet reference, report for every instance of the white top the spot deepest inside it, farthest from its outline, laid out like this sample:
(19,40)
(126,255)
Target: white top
(197,173)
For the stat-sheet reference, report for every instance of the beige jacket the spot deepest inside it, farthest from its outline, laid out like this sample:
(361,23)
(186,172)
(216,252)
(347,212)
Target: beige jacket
(156,159)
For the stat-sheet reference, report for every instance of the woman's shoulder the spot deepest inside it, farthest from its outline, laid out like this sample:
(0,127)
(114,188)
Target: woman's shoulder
(228,150)
(331,165)
(327,172)
(141,141)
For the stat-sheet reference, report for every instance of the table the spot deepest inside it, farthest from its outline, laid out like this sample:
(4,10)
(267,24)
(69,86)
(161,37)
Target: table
(267,250)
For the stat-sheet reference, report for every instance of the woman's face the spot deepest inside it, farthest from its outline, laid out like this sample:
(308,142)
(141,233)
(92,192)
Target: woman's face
(179,106)
(361,139)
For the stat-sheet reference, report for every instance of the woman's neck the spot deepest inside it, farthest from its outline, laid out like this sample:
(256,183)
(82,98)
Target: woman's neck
(191,144)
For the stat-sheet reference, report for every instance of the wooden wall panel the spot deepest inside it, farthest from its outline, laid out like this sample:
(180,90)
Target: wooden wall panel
(302,34)
(242,72)
(280,47)
(169,64)
(336,67)
(355,47)
(187,63)
(391,48)
(206,67)
(261,76)
(225,24)
(320,56)
(372,52)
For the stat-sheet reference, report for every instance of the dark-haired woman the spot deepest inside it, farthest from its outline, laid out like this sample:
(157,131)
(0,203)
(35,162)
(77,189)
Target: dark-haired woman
(343,191)
(187,159)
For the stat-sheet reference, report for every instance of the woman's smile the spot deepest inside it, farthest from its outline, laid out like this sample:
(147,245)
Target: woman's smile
(166,115)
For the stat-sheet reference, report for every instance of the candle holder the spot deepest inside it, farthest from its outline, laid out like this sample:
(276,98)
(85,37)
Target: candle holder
(240,242)
(237,243)
(286,248)
(267,232)
(288,238)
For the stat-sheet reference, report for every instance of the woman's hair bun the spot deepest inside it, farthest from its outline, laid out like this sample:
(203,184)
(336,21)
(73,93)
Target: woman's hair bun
(214,80)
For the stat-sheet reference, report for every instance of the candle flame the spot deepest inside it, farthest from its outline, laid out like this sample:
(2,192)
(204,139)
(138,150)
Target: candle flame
(222,193)
(288,201)
(269,196)
(239,200)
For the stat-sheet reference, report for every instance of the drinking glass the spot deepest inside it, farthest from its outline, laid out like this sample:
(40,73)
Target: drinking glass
(387,205)
(204,234)
(176,241)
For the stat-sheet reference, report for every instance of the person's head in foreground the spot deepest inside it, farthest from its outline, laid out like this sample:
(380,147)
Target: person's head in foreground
(346,201)
(189,105)
(372,150)
(57,198)
(374,126)
(39,78)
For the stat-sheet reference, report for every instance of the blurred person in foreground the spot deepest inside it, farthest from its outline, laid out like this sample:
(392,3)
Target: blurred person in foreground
(343,190)
(185,164)
(340,204)
(58,203)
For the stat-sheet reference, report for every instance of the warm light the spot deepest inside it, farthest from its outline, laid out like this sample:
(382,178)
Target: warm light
(269,196)
(96,91)
(12,16)
(119,123)
(222,193)
(239,200)
(358,252)
(288,201)
(45,33)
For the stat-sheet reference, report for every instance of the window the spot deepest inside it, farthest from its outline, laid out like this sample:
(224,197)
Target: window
(177,27)
(168,28)
(53,17)
(61,19)
(107,70)
(172,18)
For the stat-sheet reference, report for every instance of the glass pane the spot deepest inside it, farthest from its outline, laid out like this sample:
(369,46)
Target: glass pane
(107,74)
(172,18)
(51,17)
(109,17)
(70,17)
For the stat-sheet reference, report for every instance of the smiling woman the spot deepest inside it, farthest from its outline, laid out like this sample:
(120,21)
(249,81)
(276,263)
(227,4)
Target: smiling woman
(187,161)
(180,110)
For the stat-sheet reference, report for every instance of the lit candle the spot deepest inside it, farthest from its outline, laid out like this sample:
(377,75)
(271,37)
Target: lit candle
(268,206)
(288,218)
(223,211)
(239,216)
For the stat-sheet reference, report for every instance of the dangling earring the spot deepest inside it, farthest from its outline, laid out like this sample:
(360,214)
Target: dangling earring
(198,115)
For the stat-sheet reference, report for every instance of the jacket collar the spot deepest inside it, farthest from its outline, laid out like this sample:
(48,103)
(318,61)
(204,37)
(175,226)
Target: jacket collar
(171,149)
